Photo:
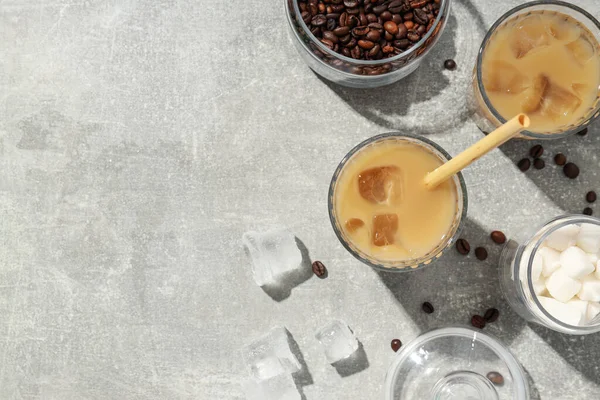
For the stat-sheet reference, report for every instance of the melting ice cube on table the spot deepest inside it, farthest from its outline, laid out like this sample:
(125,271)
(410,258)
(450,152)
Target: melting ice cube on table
(270,355)
(337,340)
(280,387)
(273,253)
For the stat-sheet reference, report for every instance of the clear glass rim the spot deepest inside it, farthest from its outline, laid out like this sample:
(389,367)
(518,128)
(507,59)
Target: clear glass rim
(483,47)
(560,222)
(372,63)
(407,265)
(503,353)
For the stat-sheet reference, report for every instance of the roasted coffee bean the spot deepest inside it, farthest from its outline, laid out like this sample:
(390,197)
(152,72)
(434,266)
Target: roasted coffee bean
(388,37)
(343,21)
(590,197)
(397,18)
(319,269)
(478,322)
(413,36)
(352,21)
(420,16)
(402,31)
(495,378)
(408,16)
(322,7)
(560,159)
(352,43)
(538,163)
(588,211)
(481,253)
(369,8)
(396,344)
(463,246)
(498,237)
(402,43)
(427,308)
(373,35)
(421,30)
(314,10)
(395,7)
(306,17)
(491,315)
(571,170)
(318,20)
(337,8)
(536,151)
(450,64)
(375,25)
(409,24)
(328,35)
(386,16)
(353,11)
(379,9)
(344,40)
(346,52)
(360,31)
(331,24)
(583,132)
(351,3)
(330,45)
(374,51)
(366,44)
(387,49)
(356,52)
(363,19)
(341,31)
(371,18)
(391,27)
(315,30)
(334,16)
(524,164)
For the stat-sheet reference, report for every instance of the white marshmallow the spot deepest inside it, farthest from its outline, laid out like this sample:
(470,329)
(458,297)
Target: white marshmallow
(551,260)
(597,272)
(590,289)
(575,263)
(592,311)
(561,286)
(539,287)
(536,267)
(580,305)
(569,314)
(562,238)
(593,258)
(588,238)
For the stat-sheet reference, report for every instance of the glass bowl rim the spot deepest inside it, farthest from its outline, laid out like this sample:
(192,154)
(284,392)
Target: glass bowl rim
(500,349)
(460,187)
(484,45)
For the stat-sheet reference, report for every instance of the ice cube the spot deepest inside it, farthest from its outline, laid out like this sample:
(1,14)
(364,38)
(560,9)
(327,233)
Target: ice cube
(563,237)
(592,311)
(280,387)
(337,340)
(551,259)
(270,355)
(532,100)
(581,89)
(564,312)
(273,254)
(353,224)
(380,184)
(589,238)
(576,263)
(562,287)
(385,227)
(563,29)
(590,289)
(530,33)
(502,76)
(582,50)
(559,102)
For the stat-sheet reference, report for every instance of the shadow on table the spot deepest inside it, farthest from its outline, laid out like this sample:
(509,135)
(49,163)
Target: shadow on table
(303,377)
(568,194)
(579,351)
(354,364)
(534,394)
(458,287)
(292,279)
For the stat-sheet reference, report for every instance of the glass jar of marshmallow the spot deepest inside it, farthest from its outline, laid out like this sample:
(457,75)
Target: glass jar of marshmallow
(553,278)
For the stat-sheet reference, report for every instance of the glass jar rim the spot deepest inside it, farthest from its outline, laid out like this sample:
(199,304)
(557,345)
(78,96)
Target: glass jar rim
(560,221)
(372,63)
(484,45)
(410,265)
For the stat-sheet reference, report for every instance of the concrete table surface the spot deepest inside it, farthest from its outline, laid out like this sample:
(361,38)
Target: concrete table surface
(139,139)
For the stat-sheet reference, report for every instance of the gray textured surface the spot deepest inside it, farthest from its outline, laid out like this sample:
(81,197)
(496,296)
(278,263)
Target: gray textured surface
(140,139)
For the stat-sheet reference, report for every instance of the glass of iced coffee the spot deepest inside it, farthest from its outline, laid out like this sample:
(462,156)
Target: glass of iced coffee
(541,58)
(381,210)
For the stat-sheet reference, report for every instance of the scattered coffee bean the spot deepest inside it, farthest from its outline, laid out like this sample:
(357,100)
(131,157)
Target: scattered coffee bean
(478,322)
(498,237)
(396,344)
(450,64)
(524,164)
(491,315)
(481,253)
(538,163)
(560,159)
(463,247)
(583,132)
(571,170)
(536,151)
(495,378)
(588,211)
(319,269)
(590,196)
(427,308)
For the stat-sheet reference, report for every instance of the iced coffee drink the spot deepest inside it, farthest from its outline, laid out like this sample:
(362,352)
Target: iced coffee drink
(544,63)
(383,210)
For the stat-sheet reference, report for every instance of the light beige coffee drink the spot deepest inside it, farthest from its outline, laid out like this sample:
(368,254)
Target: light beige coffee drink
(382,204)
(545,64)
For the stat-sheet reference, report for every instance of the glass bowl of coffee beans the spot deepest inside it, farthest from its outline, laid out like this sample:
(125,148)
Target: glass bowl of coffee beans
(365,43)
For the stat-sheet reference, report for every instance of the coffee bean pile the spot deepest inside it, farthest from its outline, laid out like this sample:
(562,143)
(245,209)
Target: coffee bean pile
(369,29)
